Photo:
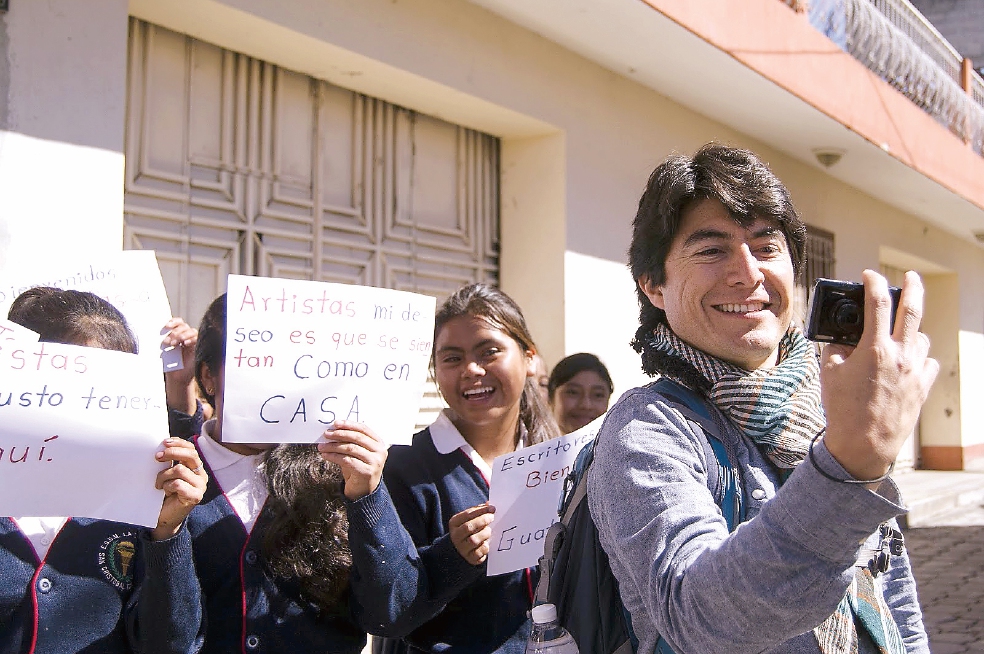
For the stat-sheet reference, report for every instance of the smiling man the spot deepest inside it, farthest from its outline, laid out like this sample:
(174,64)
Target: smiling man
(817,564)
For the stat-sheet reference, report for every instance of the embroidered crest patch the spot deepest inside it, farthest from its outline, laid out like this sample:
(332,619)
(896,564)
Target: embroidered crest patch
(116,559)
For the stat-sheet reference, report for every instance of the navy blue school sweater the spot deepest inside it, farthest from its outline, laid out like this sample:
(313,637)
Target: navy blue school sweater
(100,588)
(184,425)
(424,591)
(246,609)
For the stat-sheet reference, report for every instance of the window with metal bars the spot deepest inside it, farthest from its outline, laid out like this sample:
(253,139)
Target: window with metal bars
(819,263)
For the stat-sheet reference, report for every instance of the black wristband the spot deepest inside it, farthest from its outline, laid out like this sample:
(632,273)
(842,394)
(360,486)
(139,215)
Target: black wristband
(829,476)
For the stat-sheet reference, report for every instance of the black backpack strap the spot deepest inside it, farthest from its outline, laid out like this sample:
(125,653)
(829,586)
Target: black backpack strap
(542,594)
(569,502)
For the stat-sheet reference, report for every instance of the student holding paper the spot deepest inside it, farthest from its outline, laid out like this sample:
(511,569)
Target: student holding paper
(80,584)
(435,594)
(185,411)
(270,538)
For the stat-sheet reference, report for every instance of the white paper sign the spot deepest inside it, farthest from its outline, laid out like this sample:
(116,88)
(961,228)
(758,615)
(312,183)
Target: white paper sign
(11,331)
(525,490)
(79,427)
(129,280)
(302,354)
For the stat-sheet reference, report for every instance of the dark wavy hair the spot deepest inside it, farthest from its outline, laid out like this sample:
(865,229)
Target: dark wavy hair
(307,536)
(210,350)
(571,365)
(501,312)
(306,539)
(74,317)
(736,178)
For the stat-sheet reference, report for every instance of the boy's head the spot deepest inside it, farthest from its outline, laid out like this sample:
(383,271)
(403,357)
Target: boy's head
(73,317)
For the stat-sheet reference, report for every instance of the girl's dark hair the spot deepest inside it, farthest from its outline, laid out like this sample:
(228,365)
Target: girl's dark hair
(210,349)
(73,317)
(501,312)
(736,178)
(571,365)
(306,540)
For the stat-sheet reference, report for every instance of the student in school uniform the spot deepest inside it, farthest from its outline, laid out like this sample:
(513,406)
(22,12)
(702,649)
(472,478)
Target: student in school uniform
(579,389)
(73,584)
(434,593)
(186,413)
(270,537)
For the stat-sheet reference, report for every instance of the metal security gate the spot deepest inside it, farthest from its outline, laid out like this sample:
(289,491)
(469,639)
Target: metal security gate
(234,165)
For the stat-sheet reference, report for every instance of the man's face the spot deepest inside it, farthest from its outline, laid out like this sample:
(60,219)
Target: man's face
(728,289)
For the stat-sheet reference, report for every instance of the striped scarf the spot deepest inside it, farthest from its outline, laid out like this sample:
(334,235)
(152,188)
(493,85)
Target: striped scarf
(779,409)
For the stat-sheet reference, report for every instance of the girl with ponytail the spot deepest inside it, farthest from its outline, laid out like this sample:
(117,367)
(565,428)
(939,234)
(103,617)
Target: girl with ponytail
(435,594)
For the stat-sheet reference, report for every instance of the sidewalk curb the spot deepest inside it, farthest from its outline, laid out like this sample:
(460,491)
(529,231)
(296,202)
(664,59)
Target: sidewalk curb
(929,493)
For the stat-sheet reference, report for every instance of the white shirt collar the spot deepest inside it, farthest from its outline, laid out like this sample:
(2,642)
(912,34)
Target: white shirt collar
(239,476)
(218,457)
(447,439)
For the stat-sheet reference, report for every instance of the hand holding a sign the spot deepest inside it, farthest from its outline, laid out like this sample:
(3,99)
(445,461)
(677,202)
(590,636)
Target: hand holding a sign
(179,385)
(470,532)
(183,485)
(358,452)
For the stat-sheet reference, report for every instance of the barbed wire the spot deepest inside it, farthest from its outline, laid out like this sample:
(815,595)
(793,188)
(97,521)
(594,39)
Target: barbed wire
(891,54)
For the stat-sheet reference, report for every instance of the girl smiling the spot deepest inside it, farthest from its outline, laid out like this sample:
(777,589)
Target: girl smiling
(439,598)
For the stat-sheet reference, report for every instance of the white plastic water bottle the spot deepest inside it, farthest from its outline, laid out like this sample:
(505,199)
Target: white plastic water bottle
(548,637)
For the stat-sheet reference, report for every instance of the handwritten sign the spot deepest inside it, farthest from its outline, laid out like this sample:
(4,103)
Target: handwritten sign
(130,281)
(301,354)
(79,427)
(525,490)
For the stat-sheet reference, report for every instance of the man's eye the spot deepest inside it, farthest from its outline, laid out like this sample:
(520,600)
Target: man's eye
(450,359)
(709,252)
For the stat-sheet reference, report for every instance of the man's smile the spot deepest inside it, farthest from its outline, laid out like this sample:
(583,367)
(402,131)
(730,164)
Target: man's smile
(751,307)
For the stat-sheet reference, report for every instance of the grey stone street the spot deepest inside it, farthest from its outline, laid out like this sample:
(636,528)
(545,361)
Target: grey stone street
(947,553)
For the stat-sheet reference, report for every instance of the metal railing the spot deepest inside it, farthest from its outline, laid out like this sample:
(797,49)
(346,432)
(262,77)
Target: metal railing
(977,88)
(896,42)
(904,16)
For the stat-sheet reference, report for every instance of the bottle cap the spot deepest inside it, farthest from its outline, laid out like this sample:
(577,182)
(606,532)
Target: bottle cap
(544,613)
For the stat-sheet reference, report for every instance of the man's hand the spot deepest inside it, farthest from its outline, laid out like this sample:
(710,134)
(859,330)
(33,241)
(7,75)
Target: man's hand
(872,394)
(471,530)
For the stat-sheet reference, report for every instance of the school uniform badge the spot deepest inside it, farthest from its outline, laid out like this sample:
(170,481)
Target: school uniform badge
(116,559)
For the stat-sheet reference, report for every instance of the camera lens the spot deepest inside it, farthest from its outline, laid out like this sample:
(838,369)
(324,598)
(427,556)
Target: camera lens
(847,314)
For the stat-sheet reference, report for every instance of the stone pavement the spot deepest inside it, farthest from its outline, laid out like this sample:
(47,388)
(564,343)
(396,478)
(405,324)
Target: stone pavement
(946,546)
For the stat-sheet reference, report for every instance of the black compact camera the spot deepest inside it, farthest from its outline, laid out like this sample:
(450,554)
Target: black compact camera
(836,312)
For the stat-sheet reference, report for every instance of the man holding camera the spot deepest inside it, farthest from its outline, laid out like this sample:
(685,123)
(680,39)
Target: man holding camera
(817,564)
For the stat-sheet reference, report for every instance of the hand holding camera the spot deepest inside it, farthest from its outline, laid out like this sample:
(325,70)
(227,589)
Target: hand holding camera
(836,312)
(872,393)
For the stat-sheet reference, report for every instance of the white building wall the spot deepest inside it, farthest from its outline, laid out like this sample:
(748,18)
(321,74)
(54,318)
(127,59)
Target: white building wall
(62,95)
